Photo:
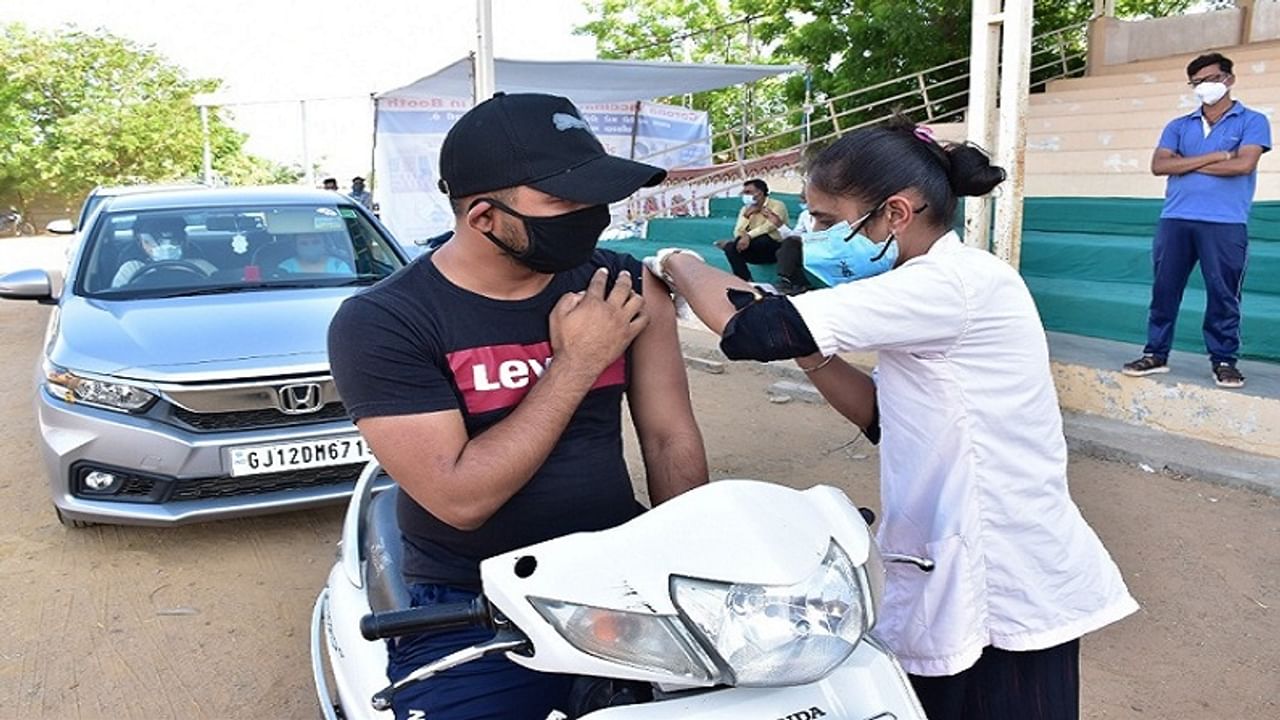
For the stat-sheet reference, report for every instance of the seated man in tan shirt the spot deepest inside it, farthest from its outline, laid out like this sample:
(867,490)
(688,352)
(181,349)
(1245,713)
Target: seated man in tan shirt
(755,238)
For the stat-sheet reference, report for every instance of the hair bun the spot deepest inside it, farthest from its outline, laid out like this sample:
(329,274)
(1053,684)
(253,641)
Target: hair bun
(970,172)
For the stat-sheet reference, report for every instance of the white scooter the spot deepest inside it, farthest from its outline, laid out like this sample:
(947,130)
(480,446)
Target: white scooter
(738,600)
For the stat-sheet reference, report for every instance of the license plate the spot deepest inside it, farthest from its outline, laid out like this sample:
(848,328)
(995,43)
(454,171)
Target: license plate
(298,455)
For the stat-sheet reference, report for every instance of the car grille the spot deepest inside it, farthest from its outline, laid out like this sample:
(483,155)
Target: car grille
(135,486)
(249,419)
(265,483)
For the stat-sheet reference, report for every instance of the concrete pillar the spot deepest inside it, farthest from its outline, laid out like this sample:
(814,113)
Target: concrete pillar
(984,58)
(1015,81)
(1246,20)
(1096,53)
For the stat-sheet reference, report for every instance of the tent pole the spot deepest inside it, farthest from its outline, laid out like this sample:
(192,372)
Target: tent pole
(808,105)
(373,150)
(746,101)
(635,128)
(482,61)
(207,164)
(308,172)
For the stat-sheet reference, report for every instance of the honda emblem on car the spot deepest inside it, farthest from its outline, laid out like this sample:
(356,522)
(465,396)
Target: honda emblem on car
(300,398)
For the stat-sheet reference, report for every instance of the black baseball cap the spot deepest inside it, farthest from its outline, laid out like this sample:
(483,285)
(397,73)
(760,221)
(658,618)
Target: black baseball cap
(540,141)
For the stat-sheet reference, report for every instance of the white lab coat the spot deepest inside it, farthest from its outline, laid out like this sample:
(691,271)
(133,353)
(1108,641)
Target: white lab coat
(973,462)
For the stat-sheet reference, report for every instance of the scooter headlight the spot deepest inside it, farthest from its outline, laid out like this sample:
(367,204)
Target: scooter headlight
(655,643)
(774,635)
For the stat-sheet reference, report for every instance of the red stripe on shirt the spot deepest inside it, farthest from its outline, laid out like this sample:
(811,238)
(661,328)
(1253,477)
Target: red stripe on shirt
(496,377)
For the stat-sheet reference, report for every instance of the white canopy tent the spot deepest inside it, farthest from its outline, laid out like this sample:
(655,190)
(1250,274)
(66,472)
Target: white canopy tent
(590,81)
(411,121)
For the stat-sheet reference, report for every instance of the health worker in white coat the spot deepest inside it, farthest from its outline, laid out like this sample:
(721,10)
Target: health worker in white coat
(973,459)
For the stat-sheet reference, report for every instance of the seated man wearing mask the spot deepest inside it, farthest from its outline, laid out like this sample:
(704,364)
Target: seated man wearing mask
(755,236)
(446,368)
(313,257)
(160,239)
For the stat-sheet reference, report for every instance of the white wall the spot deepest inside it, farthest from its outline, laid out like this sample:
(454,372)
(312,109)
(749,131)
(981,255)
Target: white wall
(1126,41)
(1266,21)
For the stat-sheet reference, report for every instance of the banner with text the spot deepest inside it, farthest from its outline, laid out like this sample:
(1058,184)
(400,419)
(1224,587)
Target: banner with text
(409,132)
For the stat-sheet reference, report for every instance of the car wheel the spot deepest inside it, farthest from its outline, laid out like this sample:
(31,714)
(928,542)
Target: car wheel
(68,522)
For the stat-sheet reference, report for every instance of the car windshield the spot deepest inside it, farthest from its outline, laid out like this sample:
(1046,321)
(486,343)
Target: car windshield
(196,251)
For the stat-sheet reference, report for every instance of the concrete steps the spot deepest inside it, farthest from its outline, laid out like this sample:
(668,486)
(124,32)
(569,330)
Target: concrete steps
(1151,120)
(1093,136)
(1259,98)
(1169,88)
(1250,60)
(1137,184)
(1240,54)
(1127,259)
(1109,160)
(1118,311)
(1143,139)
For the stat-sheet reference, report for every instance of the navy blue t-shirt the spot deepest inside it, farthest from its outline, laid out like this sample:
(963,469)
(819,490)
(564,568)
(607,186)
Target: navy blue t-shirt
(417,343)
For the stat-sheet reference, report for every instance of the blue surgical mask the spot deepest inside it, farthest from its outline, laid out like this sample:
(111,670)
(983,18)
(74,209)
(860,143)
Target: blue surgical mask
(748,200)
(853,255)
(804,206)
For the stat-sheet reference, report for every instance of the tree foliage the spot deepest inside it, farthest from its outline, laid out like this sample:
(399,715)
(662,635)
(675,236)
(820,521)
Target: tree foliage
(79,109)
(708,31)
(848,45)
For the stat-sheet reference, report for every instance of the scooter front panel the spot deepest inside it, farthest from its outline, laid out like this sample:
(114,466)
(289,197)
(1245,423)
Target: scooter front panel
(870,685)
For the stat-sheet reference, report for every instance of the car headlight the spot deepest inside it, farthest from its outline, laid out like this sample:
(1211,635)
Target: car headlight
(774,635)
(655,643)
(72,388)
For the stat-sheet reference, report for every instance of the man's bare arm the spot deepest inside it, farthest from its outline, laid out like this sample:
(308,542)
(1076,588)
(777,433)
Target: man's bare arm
(463,481)
(675,459)
(1166,162)
(1244,162)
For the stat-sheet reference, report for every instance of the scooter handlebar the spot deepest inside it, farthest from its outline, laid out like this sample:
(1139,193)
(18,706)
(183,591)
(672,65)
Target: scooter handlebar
(431,619)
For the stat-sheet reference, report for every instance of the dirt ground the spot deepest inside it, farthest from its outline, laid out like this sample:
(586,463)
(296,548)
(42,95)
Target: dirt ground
(211,620)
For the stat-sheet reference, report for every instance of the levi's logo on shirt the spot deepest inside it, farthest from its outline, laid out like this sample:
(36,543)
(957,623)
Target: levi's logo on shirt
(499,376)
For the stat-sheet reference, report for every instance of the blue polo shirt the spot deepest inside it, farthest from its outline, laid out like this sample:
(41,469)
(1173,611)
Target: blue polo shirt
(1209,198)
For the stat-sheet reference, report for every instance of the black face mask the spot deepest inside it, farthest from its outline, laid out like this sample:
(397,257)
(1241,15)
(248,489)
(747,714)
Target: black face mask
(556,243)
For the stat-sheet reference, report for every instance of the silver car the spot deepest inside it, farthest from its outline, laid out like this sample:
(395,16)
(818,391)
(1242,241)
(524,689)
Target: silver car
(185,375)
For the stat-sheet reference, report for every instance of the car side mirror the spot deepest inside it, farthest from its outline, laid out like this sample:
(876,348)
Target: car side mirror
(61,227)
(27,285)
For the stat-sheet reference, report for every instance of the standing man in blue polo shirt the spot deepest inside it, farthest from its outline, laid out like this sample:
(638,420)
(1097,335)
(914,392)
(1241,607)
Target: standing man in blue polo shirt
(1211,159)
